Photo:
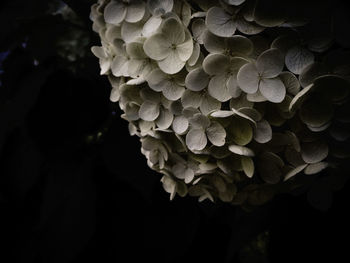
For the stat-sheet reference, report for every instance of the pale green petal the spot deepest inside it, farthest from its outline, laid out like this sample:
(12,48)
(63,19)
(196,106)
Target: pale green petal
(241,131)
(241,150)
(248,78)
(115,12)
(219,22)
(157,47)
(171,64)
(270,63)
(149,111)
(273,89)
(196,139)
(216,134)
(197,80)
(248,166)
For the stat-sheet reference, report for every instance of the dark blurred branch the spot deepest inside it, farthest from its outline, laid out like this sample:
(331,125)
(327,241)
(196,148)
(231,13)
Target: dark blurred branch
(81,8)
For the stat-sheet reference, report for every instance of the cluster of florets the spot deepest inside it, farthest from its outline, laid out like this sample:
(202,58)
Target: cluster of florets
(231,100)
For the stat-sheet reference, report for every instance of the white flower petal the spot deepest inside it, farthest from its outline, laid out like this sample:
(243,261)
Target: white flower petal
(248,78)
(157,47)
(290,81)
(173,31)
(197,80)
(241,150)
(157,80)
(173,91)
(220,23)
(270,63)
(298,58)
(135,11)
(160,7)
(180,124)
(248,28)
(209,104)
(196,139)
(185,49)
(149,111)
(273,89)
(171,64)
(263,132)
(99,52)
(151,26)
(131,31)
(115,12)
(198,28)
(216,134)
(191,99)
(195,55)
(164,119)
(215,64)
(213,43)
(219,89)
(120,66)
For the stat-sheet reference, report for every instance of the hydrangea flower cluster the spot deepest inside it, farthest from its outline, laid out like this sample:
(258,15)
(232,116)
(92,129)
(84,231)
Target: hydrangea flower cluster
(232,100)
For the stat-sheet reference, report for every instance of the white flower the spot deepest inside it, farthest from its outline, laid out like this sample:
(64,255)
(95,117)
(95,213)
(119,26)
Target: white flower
(171,47)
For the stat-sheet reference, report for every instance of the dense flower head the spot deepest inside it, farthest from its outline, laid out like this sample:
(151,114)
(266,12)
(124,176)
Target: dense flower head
(232,100)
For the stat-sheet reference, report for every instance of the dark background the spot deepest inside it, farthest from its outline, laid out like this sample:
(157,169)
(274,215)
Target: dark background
(74,186)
